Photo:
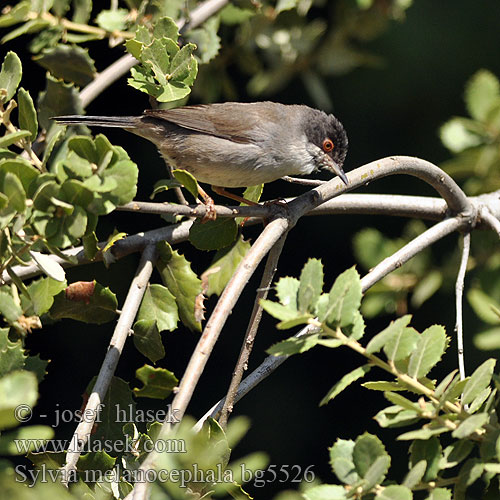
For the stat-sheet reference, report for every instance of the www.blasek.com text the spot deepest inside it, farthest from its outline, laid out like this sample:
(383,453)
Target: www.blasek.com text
(181,477)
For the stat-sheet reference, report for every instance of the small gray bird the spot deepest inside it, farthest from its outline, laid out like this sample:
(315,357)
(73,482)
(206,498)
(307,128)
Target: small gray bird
(236,144)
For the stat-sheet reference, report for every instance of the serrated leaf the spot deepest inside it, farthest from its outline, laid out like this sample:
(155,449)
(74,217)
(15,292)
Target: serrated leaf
(423,434)
(367,449)
(9,308)
(478,381)
(345,382)
(395,492)
(12,355)
(278,311)
(213,235)
(59,98)
(396,416)
(445,383)
(430,451)
(207,41)
(382,385)
(377,472)
(293,345)
(430,347)
(147,339)
(397,399)
(69,62)
(395,328)
(16,14)
(10,75)
(481,94)
(344,300)
(158,382)
(223,266)
(342,462)
(166,27)
(97,308)
(310,285)
(27,114)
(182,282)
(159,304)
(470,472)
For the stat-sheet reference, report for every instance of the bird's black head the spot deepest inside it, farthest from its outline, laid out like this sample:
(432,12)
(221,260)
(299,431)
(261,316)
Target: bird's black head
(327,133)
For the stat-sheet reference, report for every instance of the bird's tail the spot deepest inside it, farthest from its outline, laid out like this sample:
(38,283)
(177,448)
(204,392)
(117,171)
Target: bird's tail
(100,121)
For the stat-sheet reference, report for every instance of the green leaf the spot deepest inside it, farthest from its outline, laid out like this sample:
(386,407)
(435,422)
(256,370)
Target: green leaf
(377,472)
(395,492)
(36,365)
(470,472)
(27,113)
(9,308)
(278,311)
(293,345)
(455,453)
(321,491)
(10,75)
(458,134)
(367,449)
(14,137)
(287,289)
(69,62)
(395,329)
(96,307)
(49,266)
(12,356)
(344,300)
(470,425)
(180,67)
(430,451)
(430,347)
(415,474)
(166,27)
(397,399)
(213,235)
(42,292)
(439,494)
(147,339)
(14,191)
(310,285)
(164,185)
(112,20)
(342,462)
(158,382)
(187,180)
(59,98)
(158,304)
(481,94)
(22,169)
(28,437)
(223,266)
(426,288)
(345,382)
(206,39)
(17,388)
(182,282)
(81,11)
(16,14)
(478,381)
(483,306)
(395,416)
(488,340)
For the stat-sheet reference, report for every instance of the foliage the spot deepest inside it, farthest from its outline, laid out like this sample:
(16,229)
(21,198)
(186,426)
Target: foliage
(57,183)
(448,423)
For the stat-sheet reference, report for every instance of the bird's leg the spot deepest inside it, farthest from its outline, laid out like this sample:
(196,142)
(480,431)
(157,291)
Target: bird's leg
(222,191)
(209,204)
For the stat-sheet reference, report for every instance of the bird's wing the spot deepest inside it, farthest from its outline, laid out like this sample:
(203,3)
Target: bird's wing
(229,121)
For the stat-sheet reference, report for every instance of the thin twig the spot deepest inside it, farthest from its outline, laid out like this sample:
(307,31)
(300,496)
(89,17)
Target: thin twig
(490,219)
(253,326)
(122,331)
(459,293)
(403,255)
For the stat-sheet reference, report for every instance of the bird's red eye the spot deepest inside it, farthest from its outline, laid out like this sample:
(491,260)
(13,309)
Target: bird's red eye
(327,145)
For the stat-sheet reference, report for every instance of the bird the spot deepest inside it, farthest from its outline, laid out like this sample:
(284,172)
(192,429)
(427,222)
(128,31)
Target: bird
(233,144)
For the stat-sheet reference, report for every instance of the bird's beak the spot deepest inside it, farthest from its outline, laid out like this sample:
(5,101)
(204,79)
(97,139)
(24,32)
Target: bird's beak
(336,169)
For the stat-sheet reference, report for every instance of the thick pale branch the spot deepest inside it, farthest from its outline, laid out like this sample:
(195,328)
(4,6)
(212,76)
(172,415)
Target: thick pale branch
(120,335)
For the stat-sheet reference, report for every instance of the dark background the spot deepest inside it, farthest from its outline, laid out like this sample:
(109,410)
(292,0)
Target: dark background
(394,109)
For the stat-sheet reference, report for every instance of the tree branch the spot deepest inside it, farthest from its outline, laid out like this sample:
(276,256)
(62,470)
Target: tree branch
(121,333)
